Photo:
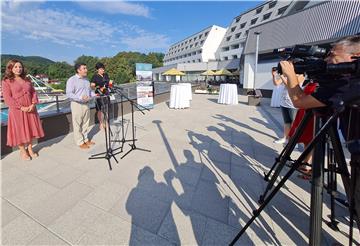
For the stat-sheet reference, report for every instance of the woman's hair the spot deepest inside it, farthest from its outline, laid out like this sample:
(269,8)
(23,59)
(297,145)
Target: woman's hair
(9,73)
(99,65)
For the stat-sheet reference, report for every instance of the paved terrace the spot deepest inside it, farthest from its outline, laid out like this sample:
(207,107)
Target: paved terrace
(198,185)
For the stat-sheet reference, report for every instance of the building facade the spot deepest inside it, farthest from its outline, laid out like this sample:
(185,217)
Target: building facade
(199,47)
(278,24)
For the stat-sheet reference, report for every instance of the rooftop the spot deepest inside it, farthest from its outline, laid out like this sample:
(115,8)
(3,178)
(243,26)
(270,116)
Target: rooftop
(197,186)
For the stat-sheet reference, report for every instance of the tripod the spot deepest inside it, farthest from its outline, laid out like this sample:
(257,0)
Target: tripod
(109,152)
(133,140)
(323,126)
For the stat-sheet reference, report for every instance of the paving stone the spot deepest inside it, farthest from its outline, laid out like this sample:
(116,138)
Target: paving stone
(48,211)
(8,212)
(20,231)
(183,227)
(74,224)
(209,202)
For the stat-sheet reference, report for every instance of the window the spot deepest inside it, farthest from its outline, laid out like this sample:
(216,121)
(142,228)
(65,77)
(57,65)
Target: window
(199,60)
(253,21)
(202,42)
(238,19)
(206,34)
(258,11)
(225,48)
(238,35)
(226,58)
(193,61)
(266,16)
(191,46)
(194,53)
(235,46)
(234,56)
(195,38)
(200,36)
(228,38)
(233,29)
(186,42)
(282,10)
(272,4)
(242,25)
(196,44)
(190,40)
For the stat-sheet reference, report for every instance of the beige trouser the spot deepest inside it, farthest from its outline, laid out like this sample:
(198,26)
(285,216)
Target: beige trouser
(81,122)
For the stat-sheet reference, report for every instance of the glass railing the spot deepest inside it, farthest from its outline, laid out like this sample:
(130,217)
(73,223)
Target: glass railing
(55,103)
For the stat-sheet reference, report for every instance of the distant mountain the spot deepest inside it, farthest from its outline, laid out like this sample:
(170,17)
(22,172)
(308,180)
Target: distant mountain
(33,59)
(33,64)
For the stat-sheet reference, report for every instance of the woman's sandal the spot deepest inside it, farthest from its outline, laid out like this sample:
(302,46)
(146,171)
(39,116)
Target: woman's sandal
(34,154)
(25,157)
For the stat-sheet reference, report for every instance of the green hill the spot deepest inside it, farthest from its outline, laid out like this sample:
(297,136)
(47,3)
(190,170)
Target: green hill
(33,64)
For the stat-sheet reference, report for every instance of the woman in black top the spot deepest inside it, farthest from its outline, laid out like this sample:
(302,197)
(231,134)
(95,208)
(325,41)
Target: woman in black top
(99,81)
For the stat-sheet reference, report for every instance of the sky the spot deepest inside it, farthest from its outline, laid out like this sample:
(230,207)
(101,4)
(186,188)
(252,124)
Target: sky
(65,30)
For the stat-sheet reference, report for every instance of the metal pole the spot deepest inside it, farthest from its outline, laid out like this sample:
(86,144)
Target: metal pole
(256,55)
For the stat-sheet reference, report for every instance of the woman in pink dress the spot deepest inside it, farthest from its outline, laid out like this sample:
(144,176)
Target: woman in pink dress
(23,120)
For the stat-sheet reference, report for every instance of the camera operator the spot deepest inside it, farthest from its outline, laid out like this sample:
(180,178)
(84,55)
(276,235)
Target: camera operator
(331,89)
(342,51)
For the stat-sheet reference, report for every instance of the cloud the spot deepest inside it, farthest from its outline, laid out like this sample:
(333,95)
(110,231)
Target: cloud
(59,27)
(69,28)
(139,39)
(146,42)
(117,7)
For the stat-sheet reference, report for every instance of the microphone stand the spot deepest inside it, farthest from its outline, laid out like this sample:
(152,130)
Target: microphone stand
(133,140)
(109,152)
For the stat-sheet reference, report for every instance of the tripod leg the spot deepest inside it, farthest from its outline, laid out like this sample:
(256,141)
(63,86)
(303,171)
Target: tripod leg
(147,150)
(317,187)
(287,153)
(331,184)
(320,134)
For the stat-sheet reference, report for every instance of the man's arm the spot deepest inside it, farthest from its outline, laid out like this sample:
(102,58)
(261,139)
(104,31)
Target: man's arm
(70,89)
(297,95)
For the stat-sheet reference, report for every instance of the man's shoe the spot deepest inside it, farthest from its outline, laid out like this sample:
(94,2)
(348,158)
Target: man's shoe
(84,146)
(88,143)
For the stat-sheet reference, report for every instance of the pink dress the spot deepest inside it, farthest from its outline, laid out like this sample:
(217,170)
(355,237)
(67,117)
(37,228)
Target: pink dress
(22,126)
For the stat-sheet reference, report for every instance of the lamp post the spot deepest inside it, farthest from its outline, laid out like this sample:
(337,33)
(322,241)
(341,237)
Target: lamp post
(256,55)
(253,99)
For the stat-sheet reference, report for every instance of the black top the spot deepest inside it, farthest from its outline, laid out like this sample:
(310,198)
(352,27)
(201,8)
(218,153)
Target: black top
(100,81)
(331,91)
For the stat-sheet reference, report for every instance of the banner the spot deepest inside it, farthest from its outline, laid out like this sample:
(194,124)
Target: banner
(144,88)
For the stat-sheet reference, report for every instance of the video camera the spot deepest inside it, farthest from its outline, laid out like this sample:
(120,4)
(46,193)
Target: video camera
(310,60)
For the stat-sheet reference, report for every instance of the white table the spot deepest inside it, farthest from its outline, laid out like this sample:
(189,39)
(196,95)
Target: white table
(276,96)
(179,96)
(188,90)
(228,94)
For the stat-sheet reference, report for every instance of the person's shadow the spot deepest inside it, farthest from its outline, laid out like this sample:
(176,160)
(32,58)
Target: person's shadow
(146,204)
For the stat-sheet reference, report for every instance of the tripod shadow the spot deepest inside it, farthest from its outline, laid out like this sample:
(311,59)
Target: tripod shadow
(241,197)
(287,211)
(238,123)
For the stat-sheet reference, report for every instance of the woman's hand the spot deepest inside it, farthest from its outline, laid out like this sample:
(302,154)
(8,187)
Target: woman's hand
(31,108)
(24,109)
